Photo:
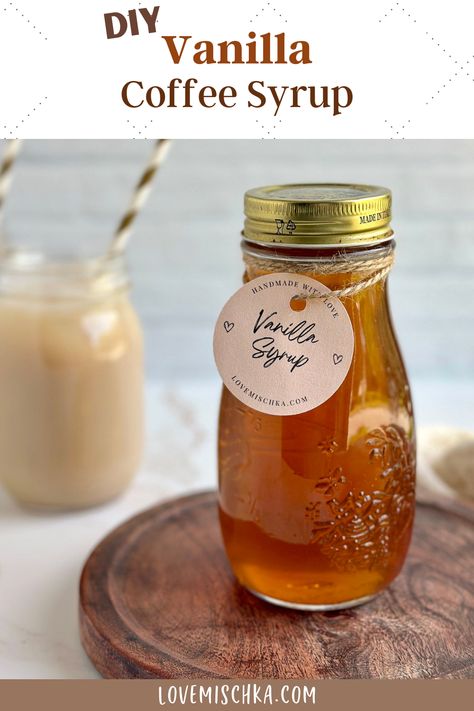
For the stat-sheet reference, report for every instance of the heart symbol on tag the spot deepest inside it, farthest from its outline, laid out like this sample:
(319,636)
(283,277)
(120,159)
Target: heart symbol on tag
(337,358)
(228,326)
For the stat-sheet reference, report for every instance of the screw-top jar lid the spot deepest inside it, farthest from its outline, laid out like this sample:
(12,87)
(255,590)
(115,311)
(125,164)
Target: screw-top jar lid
(327,214)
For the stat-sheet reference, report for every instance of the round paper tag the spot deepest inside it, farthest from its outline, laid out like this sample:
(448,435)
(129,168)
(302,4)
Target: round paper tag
(283,357)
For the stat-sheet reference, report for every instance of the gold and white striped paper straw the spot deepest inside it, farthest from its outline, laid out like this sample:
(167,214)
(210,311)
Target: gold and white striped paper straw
(140,195)
(11,152)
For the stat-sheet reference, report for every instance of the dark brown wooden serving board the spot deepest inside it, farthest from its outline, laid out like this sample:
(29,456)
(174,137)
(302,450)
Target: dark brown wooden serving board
(158,600)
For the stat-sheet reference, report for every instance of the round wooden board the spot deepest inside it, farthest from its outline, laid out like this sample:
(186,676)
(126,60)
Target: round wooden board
(158,600)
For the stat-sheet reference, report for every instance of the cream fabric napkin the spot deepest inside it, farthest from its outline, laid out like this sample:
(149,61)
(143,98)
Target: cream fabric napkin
(446,462)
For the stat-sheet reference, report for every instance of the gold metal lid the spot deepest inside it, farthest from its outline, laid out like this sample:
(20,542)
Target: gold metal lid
(326,214)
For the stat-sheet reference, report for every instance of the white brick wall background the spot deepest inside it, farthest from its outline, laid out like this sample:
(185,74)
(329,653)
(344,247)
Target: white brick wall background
(184,255)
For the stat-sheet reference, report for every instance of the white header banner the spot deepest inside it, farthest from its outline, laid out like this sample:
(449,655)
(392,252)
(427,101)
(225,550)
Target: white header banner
(215,69)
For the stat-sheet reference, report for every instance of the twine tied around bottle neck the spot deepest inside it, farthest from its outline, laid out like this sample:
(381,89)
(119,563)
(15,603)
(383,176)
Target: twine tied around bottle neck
(375,269)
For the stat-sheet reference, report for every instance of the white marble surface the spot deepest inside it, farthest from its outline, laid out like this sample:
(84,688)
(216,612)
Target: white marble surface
(41,555)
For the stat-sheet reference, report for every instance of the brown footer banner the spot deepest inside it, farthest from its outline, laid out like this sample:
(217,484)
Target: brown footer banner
(325,695)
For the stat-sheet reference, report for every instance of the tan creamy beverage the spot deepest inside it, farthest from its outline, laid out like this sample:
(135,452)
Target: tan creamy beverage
(71,381)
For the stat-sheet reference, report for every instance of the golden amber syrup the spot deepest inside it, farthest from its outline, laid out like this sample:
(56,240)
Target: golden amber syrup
(317,509)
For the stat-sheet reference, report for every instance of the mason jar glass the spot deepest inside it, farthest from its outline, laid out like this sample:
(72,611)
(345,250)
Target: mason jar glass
(71,380)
